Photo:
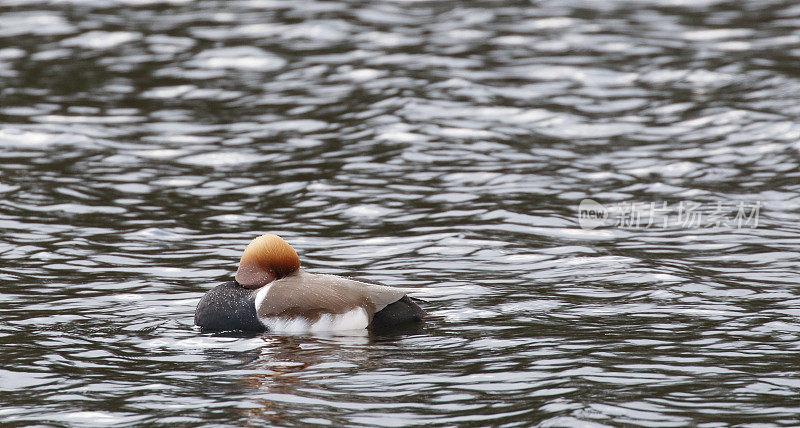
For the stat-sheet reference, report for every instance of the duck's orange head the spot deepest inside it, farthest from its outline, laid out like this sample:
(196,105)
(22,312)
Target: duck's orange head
(266,259)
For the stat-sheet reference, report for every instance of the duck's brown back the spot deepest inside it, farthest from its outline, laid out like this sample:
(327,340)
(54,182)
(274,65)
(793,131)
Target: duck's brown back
(311,295)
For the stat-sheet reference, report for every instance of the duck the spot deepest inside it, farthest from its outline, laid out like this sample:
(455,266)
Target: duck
(271,293)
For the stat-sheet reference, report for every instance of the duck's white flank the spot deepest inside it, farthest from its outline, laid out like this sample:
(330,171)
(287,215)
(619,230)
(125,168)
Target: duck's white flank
(356,319)
(261,295)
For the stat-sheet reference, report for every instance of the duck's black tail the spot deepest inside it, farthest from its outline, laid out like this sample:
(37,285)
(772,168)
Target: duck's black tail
(400,313)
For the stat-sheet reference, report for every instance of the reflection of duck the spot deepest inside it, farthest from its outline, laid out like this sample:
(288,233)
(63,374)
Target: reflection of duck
(293,366)
(272,293)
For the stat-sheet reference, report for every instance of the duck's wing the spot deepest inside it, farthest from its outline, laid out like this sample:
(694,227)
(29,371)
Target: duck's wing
(311,295)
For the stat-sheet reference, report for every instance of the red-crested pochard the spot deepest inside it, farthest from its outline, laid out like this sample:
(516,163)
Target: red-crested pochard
(272,293)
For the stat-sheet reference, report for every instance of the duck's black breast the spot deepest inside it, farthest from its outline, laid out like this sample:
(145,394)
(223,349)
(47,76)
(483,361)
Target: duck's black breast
(228,306)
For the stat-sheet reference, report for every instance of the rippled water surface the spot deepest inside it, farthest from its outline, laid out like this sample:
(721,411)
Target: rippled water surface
(440,145)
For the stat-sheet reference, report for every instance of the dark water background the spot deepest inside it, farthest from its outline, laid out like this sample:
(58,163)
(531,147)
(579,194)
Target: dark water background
(442,145)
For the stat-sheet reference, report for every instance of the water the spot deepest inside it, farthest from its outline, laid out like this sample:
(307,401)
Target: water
(441,145)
